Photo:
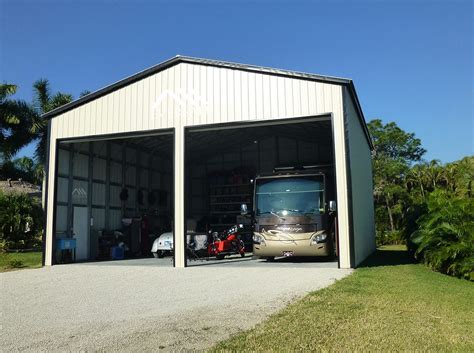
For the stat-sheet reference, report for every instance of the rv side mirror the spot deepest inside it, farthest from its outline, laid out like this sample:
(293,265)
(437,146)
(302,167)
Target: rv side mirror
(332,206)
(243,209)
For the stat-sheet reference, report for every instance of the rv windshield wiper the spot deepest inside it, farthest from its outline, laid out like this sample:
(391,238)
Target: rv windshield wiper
(273,213)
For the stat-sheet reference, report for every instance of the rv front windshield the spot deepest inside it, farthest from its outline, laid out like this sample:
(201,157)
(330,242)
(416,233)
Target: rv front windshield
(295,195)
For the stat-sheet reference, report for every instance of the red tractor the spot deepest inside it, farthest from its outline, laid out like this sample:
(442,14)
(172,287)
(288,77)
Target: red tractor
(227,243)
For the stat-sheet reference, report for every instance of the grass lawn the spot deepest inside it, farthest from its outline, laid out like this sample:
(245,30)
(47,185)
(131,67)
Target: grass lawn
(15,261)
(389,304)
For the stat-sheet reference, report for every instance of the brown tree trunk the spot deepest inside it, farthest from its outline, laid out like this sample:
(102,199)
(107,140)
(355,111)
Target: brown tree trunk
(390,216)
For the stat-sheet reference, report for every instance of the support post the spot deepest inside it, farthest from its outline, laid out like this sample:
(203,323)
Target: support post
(50,198)
(107,187)
(179,229)
(339,139)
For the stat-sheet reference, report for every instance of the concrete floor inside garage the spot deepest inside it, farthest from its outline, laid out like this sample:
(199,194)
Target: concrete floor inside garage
(234,261)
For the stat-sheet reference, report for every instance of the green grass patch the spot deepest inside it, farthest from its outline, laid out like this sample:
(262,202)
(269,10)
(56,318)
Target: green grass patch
(390,304)
(20,260)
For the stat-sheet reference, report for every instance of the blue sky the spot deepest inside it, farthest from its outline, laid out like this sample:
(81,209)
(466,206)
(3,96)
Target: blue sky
(412,61)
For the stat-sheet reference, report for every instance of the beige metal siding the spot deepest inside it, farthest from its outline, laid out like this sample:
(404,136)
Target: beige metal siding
(191,94)
(197,95)
(362,187)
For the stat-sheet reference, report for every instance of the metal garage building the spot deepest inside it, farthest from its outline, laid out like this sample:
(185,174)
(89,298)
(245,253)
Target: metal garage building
(149,133)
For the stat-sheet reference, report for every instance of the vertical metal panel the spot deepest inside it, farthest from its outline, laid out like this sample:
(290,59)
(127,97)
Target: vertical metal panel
(98,214)
(98,194)
(252,108)
(304,98)
(179,220)
(266,94)
(362,187)
(130,175)
(81,165)
(99,169)
(115,219)
(100,148)
(51,202)
(131,116)
(281,98)
(116,172)
(297,88)
(145,102)
(115,196)
(341,172)
(61,219)
(63,161)
(63,185)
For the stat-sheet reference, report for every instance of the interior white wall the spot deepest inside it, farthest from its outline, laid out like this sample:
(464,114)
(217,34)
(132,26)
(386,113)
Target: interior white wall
(361,183)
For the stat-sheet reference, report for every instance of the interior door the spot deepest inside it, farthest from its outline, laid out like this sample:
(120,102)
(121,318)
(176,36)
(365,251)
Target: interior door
(81,233)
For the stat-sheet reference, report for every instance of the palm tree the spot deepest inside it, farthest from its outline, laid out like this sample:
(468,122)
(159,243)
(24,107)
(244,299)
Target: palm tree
(43,102)
(416,179)
(21,123)
(16,117)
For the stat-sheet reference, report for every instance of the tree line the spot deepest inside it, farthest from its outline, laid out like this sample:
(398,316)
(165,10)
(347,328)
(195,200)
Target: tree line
(425,204)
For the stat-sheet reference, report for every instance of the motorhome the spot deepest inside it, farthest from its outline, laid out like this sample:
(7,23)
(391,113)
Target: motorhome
(292,215)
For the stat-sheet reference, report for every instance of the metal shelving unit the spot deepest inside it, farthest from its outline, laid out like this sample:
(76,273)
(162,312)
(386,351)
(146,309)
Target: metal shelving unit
(225,201)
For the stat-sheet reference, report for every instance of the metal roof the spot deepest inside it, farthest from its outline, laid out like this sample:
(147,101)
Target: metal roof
(215,63)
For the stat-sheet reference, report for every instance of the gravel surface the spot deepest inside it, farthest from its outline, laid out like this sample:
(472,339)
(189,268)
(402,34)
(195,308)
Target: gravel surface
(144,305)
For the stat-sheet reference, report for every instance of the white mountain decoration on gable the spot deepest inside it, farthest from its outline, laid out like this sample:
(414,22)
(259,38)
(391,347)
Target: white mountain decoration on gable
(186,101)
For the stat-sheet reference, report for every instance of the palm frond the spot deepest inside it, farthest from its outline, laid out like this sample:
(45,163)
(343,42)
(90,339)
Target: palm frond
(42,95)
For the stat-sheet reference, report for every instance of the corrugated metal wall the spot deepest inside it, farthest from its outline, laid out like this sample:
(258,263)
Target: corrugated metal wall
(197,95)
(191,94)
(362,187)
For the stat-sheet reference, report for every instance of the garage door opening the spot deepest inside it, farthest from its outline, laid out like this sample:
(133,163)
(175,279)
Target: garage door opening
(114,197)
(226,167)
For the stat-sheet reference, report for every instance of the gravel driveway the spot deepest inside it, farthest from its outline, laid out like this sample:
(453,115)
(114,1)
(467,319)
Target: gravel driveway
(146,304)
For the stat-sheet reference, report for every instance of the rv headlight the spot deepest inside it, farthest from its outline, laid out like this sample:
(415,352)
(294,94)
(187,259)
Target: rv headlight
(258,239)
(320,238)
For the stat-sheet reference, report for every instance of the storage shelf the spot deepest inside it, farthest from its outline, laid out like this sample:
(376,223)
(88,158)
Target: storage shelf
(226,203)
(225,212)
(231,195)
(228,185)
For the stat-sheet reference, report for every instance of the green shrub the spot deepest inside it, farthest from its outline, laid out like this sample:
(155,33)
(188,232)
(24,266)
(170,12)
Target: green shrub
(21,221)
(15,264)
(445,238)
(388,237)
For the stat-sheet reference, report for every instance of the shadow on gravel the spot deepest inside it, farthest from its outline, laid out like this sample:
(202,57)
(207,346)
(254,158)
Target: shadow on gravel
(388,257)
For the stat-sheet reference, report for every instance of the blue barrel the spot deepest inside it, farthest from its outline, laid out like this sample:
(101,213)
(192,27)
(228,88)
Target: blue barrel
(65,244)
(116,253)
